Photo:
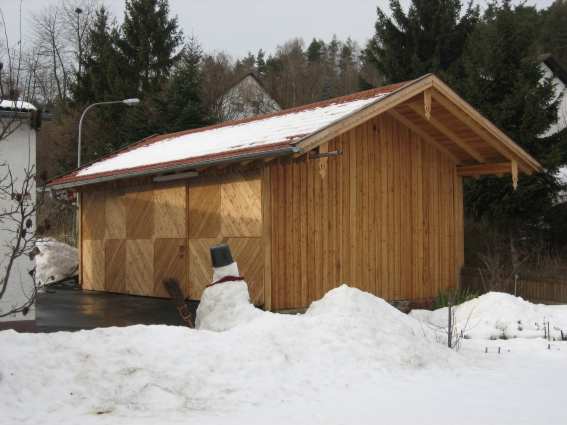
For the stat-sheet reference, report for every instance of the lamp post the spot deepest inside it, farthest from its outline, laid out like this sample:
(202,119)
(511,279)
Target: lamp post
(128,102)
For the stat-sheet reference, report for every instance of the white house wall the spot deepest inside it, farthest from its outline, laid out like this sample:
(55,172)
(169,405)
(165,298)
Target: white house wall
(247,99)
(560,88)
(18,150)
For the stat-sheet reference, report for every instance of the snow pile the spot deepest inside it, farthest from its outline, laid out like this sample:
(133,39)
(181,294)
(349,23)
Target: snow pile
(224,306)
(497,315)
(347,339)
(55,261)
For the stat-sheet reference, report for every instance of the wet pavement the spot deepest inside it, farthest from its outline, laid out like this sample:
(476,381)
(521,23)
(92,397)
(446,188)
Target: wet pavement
(66,309)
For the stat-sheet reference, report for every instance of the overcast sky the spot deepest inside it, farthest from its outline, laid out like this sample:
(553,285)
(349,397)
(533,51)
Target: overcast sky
(239,26)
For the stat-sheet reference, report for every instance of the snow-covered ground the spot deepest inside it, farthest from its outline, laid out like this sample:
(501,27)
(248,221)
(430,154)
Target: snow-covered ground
(351,359)
(500,316)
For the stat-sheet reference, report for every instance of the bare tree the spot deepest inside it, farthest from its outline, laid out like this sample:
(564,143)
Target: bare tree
(17,221)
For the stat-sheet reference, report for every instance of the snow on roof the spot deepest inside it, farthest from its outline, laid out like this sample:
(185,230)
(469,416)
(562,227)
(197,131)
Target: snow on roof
(17,105)
(272,129)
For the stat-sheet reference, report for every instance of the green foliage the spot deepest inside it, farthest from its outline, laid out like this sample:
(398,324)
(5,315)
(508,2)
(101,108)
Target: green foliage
(428,38)
(150,39)
(103,70)
(454,296)
(139,59)
(501,78)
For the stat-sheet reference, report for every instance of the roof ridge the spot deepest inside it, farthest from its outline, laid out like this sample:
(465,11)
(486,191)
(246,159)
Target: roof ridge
(364,94)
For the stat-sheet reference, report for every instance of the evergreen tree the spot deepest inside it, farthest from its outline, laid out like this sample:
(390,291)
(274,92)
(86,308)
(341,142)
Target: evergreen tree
(150,39)
(315,51)
(261,63)
(428,38)
(182,106)
(103,67)
(503,80)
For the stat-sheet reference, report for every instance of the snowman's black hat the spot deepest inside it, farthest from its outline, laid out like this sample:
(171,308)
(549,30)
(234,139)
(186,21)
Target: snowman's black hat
(221,256)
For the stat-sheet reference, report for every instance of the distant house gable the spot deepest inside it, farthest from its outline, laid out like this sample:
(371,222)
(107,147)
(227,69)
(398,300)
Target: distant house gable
(247,98)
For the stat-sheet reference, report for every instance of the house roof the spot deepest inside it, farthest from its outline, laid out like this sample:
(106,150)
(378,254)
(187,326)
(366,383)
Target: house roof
(295,131)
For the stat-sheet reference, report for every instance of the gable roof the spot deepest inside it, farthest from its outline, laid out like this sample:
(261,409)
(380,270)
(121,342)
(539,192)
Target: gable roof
(297,130)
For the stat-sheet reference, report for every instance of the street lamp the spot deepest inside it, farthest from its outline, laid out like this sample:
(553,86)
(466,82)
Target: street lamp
(128,102)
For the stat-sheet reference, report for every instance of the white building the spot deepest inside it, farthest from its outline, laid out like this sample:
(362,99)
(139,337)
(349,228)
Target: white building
(18,152)
(552,69)
(245,99)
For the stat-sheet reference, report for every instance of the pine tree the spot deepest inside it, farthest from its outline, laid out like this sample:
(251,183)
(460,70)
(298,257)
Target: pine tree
(261,63)
(103,67)
(503,80)
(150,39)
(428,38)
(182,106)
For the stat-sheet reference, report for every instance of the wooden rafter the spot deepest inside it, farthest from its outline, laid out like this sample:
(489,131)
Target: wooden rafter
(424,135)
(448,133)
(485,169)
(481,126)
(390,101)
(427,104)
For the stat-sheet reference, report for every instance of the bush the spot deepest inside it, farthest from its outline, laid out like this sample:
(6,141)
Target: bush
(456,295)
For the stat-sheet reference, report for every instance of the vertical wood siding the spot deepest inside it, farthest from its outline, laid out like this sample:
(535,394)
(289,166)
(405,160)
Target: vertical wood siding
(385,217)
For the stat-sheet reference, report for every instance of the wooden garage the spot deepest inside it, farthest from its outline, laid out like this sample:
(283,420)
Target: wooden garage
(364,189)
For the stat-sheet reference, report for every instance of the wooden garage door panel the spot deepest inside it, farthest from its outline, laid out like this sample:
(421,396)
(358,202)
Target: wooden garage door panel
(200,271)
(249,255)
(115,216)
(170,212)
(204,210)
(247,252)
(140,214)
(241,207)
(115,265)
(170,261)
(139,267)
(93,265)
(93,212)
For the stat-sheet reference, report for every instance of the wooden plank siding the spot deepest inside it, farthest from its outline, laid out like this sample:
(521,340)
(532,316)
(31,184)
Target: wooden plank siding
(227,209)
(385,217)
(132,238)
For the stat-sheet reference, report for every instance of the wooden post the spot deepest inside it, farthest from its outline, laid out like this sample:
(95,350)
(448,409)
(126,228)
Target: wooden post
(515,174)
(427,103)
(267,236)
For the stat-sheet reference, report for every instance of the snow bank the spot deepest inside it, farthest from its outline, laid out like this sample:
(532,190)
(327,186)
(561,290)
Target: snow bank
(498,315)
(344,340)
(55,261)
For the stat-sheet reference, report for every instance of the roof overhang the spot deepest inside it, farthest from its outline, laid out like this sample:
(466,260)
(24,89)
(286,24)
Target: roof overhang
(428,107)
(170,169)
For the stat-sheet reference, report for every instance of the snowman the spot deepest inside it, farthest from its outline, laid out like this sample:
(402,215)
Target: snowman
(225,302)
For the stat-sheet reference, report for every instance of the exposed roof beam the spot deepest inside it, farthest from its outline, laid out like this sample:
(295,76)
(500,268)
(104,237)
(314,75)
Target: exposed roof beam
(482,127)
(448,133)
(356,118)
(424,135)
(484,169)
